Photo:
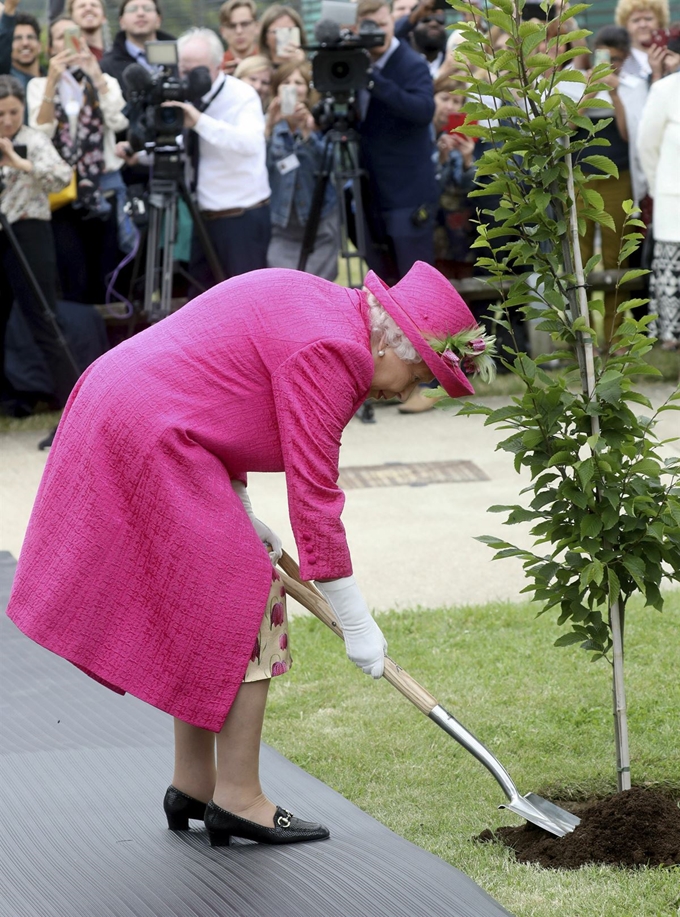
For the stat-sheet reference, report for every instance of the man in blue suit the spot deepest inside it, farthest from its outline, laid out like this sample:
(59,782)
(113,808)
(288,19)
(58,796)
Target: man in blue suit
(396,147)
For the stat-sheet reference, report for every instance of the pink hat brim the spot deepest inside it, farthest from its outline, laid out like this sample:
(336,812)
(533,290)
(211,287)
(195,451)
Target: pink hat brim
(452,379)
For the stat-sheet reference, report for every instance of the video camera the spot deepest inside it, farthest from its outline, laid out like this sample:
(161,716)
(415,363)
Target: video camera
(152,123)
(341,65)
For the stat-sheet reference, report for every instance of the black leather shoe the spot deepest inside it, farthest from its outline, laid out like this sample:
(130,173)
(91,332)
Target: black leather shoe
(179,808)
(287,829)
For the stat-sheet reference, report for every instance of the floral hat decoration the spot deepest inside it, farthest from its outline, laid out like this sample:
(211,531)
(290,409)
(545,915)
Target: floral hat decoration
(436,320)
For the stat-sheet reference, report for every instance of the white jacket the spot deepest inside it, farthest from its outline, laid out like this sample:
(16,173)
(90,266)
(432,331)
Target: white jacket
(111,103)
(659,151)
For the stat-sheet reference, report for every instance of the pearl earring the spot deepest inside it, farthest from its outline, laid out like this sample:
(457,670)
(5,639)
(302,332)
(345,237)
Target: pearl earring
(381,353)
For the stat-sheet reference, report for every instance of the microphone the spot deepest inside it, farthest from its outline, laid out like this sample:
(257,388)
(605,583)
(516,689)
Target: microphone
(198,83)
(327,32)
(136,79)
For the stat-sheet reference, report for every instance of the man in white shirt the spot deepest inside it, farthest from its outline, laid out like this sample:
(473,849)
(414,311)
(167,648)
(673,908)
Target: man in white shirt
(232,184)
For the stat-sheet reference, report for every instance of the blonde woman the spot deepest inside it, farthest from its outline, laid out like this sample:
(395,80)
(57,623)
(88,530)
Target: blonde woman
(257,72)
(641,18)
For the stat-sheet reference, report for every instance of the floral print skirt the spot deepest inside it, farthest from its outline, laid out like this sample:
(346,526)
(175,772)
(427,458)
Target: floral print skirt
(271,653)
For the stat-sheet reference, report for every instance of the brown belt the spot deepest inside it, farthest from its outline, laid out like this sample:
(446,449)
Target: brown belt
(234,212)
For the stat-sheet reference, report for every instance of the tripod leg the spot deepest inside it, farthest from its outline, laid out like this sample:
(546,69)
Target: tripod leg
(347,171)
(312,224)
(168,256)
(152,237)
(202,233)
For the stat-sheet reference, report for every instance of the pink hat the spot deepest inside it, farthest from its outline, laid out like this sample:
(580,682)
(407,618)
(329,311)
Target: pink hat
(424,303)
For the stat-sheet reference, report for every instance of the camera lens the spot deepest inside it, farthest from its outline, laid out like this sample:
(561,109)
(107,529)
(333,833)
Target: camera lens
(340,70)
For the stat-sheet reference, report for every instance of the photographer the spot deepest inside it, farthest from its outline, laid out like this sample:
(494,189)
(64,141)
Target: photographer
(231,184)
(396,147)
(29,175)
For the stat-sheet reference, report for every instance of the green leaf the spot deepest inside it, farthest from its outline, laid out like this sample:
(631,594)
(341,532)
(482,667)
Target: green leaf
(597,216)
(646,466)
(592,572)
(632,275)
(572,10)
(593,198)
(520,514)
(585,472)
(505,413)
(603,163)
(568,639)
(570,76)
(635,566)
(501,17)
(591,526)
(508,6)
(614,585)
(592,264)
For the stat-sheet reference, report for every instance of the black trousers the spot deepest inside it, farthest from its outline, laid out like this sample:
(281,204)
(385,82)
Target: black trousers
(395,243)
(87,251)
(34,238)
(240,243)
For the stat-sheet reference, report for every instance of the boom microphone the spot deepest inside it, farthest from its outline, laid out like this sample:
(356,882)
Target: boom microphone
(198,83)
(136,79)
(327,32)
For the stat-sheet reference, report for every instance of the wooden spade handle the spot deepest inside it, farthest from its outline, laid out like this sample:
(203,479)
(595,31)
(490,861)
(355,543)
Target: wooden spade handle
(309,596)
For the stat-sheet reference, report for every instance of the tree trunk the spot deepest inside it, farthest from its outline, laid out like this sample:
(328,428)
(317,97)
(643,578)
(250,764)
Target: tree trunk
(619,697)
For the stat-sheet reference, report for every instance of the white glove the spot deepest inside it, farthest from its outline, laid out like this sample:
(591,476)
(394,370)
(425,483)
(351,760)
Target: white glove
(264,533)
(364,641)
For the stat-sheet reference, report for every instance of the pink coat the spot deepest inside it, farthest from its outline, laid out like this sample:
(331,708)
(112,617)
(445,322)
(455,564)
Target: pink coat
(140,564)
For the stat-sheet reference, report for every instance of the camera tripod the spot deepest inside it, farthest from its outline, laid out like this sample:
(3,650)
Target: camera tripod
(166,188)
(45,309)
(340,161)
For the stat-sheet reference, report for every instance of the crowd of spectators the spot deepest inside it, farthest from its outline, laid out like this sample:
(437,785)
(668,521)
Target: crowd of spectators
(256,145)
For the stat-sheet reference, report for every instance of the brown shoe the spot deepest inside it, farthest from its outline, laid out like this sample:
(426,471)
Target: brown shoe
(417,402)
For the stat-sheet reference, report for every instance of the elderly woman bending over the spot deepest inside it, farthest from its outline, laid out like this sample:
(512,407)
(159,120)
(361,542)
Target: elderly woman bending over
(187,612)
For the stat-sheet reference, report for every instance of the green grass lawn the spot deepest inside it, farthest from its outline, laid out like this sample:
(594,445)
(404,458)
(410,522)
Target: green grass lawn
(544,712)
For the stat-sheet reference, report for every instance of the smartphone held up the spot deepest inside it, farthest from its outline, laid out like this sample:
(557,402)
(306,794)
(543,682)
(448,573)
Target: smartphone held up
(289,98)
(285,38)
(72,39)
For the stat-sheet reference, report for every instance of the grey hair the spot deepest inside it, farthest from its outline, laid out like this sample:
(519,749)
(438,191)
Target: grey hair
(385,331)
(210,38)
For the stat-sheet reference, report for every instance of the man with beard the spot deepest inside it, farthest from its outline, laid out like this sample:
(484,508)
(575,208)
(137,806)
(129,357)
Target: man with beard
(140,21)
(19,44)
(426,27)
(90,16)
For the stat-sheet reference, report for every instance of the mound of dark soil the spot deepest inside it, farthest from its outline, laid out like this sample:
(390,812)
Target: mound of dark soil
(640,827)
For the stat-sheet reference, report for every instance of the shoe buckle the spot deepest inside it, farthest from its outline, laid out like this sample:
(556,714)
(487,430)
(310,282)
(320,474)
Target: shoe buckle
(283,821)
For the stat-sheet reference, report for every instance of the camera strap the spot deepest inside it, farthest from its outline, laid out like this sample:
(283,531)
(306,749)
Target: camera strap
(191,138)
